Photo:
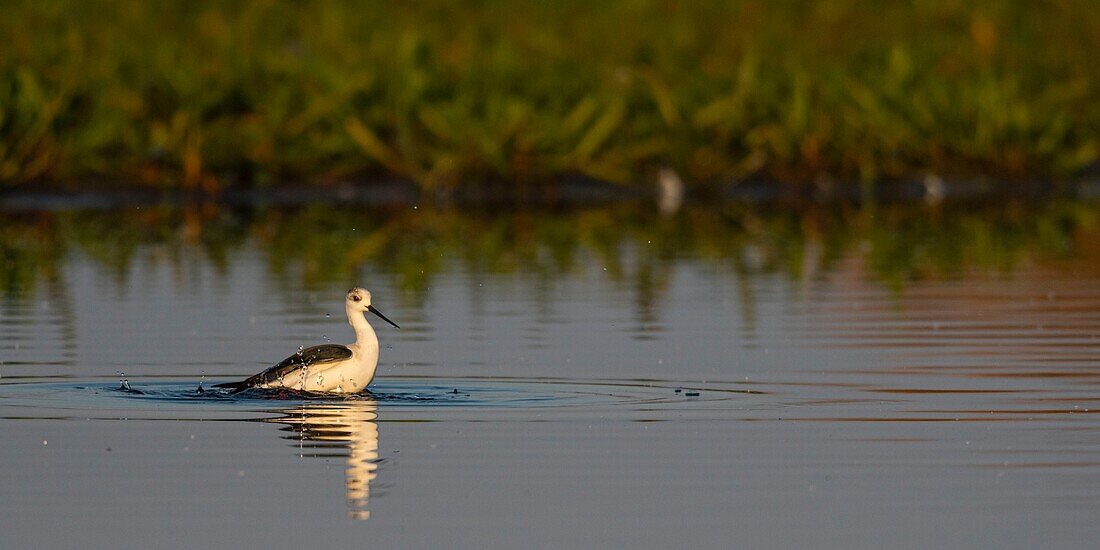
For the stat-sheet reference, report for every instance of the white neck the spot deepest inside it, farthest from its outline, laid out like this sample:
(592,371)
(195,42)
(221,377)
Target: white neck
(364,333)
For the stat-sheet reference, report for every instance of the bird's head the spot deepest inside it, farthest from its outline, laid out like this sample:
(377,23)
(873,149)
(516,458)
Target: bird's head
(359,300)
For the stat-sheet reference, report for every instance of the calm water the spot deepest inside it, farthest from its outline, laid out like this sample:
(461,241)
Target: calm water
(733,376)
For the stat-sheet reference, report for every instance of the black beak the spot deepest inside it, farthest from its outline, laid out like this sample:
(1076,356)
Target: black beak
(379,313)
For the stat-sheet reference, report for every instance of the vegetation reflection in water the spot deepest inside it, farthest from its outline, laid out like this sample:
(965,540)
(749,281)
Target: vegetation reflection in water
(994,391)
(629,244)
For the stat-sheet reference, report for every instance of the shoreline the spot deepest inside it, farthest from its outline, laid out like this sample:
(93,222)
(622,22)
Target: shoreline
(570,192)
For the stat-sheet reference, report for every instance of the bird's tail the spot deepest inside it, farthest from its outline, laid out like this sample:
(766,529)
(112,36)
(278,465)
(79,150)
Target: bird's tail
(233,387)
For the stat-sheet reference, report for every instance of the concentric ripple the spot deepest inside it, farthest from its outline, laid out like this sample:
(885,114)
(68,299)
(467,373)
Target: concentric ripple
(49,398)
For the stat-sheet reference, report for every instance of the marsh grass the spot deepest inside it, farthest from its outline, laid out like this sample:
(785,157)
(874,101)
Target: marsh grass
(201,94)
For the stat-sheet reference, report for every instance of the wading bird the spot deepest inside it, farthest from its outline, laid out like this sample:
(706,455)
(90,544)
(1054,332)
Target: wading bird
(328,367)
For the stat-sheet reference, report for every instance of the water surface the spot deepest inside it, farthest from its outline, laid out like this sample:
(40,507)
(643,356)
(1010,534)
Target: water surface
(731,376)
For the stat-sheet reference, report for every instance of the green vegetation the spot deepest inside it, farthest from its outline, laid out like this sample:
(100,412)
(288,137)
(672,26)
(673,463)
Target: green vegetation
(205,94)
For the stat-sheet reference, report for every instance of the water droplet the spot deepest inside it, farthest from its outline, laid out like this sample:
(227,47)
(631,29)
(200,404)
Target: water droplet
(325,337)
(327,315)
(300,350)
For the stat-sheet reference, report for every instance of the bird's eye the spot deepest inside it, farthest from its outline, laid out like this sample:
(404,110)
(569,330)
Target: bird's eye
(355,297)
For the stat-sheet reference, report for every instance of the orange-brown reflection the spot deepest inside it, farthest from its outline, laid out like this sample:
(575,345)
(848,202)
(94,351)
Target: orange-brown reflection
(347,430)
(996,330)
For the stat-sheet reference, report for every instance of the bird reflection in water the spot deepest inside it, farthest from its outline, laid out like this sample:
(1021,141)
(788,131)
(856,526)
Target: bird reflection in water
(346,429)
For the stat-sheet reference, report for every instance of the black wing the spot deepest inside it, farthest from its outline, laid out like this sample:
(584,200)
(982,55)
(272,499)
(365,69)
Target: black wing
(316,355)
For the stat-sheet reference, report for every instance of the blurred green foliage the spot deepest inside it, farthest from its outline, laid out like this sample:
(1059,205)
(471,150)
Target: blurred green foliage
(208,94)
